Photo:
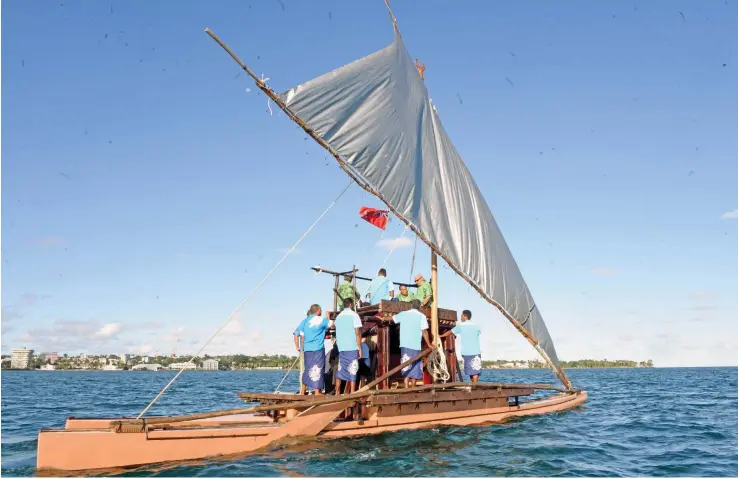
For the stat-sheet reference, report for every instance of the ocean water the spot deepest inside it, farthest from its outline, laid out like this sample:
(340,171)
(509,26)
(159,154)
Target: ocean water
(637,422)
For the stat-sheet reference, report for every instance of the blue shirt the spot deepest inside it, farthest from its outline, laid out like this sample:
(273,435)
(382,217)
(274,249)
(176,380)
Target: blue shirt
(346,322)
(469,333)
(412,324)
(379,289)
(313,329)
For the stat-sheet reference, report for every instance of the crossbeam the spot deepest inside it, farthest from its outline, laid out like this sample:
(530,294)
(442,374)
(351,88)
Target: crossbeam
(318,269)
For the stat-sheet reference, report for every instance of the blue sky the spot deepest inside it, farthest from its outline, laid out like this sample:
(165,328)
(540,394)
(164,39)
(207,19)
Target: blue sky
(146,189)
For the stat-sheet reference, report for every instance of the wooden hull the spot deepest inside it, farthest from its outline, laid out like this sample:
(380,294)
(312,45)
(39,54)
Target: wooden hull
(90,444)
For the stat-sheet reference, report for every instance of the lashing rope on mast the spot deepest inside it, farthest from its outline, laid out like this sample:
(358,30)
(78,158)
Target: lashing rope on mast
(437,365)
(412,262)
(246,300)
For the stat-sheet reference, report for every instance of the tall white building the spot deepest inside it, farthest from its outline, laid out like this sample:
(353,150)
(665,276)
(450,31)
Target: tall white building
(210,364)
(21,358)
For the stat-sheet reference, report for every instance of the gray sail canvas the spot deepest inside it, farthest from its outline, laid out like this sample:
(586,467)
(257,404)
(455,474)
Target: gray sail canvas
(376,113)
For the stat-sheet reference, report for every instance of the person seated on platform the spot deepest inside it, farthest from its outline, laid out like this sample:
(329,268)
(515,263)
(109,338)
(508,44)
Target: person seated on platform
(405,296)
(424,292)
(348,340)
(470,350)
(346,290)
(413,325)
(381,288)
(312,332)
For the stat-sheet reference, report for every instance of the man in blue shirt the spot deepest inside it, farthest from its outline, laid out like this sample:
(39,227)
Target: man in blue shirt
(310,334)
(470,350)
(348,340)
(413,325)
(380,288)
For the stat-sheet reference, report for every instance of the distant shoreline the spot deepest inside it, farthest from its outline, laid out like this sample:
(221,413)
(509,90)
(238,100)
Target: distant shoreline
(285,369)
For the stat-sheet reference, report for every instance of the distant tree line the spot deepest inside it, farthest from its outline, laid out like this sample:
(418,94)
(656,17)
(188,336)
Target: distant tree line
(596,363)
(281,361)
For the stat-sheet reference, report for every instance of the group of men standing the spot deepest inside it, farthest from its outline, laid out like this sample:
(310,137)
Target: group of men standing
(309,336)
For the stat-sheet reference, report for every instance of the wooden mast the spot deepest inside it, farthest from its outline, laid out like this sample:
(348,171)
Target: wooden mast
(558,371)
(335,296)
(434,259)
(434,256)
(434,302)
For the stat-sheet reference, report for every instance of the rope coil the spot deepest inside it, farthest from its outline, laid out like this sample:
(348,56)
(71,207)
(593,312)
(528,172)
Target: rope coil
(437,365)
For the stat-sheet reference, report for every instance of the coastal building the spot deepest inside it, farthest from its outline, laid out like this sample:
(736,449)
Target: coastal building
(50,357)
(144,359)
(210,364)
(21,358)
(183,366)
(111,367)
(146,367)
(126,358)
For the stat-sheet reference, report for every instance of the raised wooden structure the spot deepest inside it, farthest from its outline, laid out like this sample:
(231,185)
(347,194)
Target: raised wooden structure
(385,337)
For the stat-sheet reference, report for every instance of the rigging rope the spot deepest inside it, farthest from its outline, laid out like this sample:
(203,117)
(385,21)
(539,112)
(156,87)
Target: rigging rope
(246,300)
(397,243)
(412,263)
(288,373)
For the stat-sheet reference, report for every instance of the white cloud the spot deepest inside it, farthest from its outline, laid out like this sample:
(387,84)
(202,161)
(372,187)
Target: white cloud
(703,307)
(395,243)
(9,314)
(51,241)
(604,272)
(70,336)
(730,215)
(107,331)
(29,299)
(175,335)
(233,327)
(703,294)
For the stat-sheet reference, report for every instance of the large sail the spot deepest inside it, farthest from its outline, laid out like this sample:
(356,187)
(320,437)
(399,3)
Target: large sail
(377,115)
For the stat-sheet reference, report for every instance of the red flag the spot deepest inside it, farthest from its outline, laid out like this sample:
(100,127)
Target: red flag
(374,216)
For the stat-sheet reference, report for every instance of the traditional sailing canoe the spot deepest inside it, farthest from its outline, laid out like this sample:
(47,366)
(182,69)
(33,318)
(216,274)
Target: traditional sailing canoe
(374,116)
(113,444)
(95,444)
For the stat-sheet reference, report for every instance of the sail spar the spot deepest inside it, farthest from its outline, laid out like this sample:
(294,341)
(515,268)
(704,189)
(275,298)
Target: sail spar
(377,115)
